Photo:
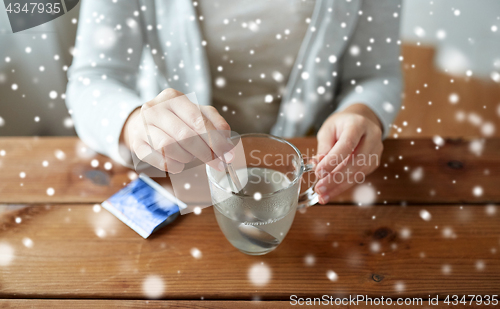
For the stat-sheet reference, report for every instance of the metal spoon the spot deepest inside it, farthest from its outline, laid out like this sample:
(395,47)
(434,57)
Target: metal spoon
(258,236)
(232,177)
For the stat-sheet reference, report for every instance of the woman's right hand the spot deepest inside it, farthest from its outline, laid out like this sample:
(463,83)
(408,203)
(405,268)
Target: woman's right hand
(170,131)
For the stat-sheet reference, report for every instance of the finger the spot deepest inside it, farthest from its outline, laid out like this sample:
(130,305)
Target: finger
(221,141)
(193,117)
(165,95)
(347,143)
(339,181)
(373,165)
(368,151)
(160,140)
(189,140)
(217,120)
(147,154)
(326,140)
(339,177)
(354,172)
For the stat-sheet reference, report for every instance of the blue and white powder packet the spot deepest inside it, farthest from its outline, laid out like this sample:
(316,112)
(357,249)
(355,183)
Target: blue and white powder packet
(144,206)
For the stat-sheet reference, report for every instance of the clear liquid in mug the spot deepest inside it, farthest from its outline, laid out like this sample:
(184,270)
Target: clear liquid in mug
(257,225)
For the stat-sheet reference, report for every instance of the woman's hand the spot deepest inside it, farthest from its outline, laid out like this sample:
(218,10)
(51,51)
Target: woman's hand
(349,147)
(170,131)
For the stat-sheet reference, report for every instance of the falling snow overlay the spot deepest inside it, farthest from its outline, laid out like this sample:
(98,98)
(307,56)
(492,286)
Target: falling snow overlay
(422,75)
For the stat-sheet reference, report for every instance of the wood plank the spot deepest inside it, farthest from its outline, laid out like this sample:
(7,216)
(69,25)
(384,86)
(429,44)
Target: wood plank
(476,107)
(152,304)
(71,251)
(69,171)
(74,180)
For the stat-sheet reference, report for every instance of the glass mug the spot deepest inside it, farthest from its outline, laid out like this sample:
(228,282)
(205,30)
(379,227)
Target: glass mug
(257,219)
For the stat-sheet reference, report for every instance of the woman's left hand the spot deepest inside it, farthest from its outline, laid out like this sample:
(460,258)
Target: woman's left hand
(349,148)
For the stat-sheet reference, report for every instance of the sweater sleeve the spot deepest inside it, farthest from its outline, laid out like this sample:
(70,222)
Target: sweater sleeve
(370,70)
(102,89)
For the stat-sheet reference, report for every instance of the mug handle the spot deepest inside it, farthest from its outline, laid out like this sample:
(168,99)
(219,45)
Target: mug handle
(308,197)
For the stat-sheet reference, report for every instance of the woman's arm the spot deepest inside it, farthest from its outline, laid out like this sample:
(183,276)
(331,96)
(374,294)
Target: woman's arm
(167,131)
(369,100)
(371,60)
(103,76)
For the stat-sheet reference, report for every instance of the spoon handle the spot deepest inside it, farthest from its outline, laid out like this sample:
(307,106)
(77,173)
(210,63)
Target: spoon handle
(234,177)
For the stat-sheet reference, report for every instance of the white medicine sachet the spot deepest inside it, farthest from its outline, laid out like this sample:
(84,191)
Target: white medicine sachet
(144,206)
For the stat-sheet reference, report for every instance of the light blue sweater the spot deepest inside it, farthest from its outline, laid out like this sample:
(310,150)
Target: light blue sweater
(349,55)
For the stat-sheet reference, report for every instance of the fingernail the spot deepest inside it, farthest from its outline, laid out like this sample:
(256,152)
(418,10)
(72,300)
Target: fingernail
(221,166)
(228,156)
(321,189)
(321,199)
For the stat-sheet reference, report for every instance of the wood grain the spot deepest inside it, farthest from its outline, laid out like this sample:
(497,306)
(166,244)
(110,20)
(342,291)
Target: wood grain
(69,171)
(139,304)
(477,104)
(390,251)
(449,174)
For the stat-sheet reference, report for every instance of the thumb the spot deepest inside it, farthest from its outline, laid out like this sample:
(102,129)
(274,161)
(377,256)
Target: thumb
(326,140)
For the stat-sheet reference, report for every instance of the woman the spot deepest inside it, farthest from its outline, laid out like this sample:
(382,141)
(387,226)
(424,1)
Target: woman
(285,67)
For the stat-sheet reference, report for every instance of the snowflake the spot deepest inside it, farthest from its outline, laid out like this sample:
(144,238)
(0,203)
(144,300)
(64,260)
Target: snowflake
(332,59)
(417,174)
(453,98)
(196,253)
(488,129)
(354,51)
(153,287)
(448,232)
(309,260)
(491,209)
(364,195)
(419,31)
(480,265)
(100,232)
(27,242)
(331,275)
(441,34)
(259,274)
(405,233)
(476,146)
(220,82)
(59,154)
(446,269)
(6,254)
(425,215)
(257,196)
(477,191)
(277,76)
(375,247)
(388,107)
(399,286)
(438,140)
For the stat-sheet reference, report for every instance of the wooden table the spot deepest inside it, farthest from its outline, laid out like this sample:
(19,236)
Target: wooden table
(64,251)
